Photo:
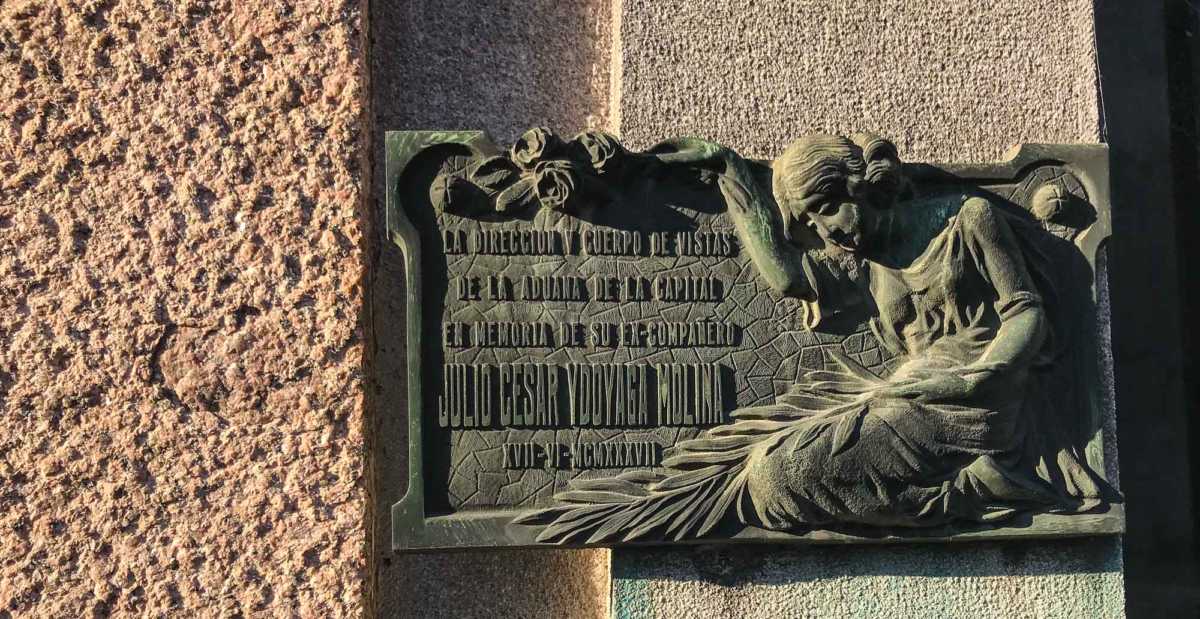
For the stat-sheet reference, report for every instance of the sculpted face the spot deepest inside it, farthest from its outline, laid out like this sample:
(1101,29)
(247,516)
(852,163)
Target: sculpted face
(841,189)
(841,220)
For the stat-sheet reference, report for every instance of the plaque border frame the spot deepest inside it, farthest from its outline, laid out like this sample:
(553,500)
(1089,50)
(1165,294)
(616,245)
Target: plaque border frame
(413,530)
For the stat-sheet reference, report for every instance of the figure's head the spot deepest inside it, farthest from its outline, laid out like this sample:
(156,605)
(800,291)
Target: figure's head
(838,186)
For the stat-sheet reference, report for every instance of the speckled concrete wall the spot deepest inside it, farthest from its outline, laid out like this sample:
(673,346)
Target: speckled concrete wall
(1050,579)
(180,299)
(948,80)
(954,80)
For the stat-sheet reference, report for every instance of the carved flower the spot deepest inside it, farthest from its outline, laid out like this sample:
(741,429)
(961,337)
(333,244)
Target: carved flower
(533,145)
(555,182)
(601,150)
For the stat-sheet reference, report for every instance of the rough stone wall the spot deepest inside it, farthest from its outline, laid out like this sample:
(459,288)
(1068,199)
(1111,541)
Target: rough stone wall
(180,296)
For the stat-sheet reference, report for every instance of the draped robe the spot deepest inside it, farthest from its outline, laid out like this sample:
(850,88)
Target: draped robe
(853,453)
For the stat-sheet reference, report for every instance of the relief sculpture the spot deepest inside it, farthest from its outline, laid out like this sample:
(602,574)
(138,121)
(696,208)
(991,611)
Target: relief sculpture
(962,430)
(978,293)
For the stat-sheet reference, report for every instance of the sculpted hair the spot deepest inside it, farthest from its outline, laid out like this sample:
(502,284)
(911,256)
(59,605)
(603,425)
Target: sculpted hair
(862,166)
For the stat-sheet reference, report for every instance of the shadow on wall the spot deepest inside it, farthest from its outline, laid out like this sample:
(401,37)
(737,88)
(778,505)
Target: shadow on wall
(731,566)
(1147,54)
(503,67)
(491,64)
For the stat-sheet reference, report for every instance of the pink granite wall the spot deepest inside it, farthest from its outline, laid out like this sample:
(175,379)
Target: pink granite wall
(180,295)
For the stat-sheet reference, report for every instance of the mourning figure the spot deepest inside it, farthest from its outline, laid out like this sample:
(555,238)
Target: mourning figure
(971,426)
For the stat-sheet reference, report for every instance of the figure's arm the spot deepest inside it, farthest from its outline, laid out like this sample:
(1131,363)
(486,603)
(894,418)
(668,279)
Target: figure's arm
(760,229)
(1023,325)
(1016,342)
(991,244)
(753,209)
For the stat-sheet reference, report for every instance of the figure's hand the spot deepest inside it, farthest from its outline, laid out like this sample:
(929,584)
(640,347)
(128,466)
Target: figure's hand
(938,386)
(691,151)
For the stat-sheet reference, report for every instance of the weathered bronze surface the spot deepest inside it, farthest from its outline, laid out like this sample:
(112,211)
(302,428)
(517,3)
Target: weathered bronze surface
(683,345)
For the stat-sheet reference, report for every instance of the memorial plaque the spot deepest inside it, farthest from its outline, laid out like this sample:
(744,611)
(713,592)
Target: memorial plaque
(684,345)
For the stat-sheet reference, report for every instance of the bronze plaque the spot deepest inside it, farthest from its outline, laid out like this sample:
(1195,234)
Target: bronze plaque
(682,344)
